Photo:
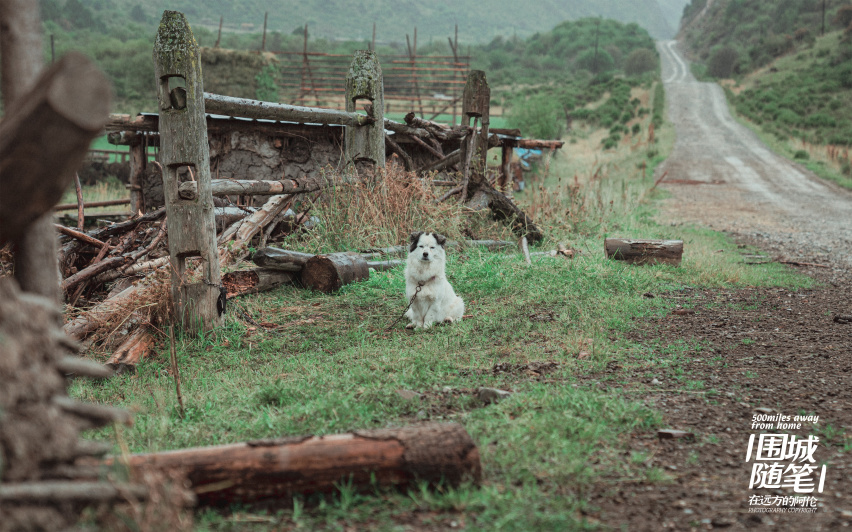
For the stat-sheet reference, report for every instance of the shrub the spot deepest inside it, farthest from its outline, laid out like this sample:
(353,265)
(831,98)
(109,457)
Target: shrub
(267,86)
(723,62)
(801,155)
(843,17)
(537,117)
(640,61)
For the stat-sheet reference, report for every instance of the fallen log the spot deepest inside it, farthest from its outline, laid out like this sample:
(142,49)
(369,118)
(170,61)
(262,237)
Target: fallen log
(504,208)
(90,272)
(234,187)
(242,107)
(534,144)
(252,225)
(276,470)
(77,235)
(281,259)
(644,251)
(330,272)
(384,265)
(435,129)
(132,350)
(244,282)
(91,205)
(89,321)
(452,158)
(64,492)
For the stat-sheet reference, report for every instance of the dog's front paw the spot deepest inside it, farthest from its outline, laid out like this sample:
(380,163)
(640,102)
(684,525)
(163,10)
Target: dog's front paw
(410,326)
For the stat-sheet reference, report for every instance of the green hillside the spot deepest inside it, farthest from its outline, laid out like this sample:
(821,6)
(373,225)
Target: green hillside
(353,20)
(789,81)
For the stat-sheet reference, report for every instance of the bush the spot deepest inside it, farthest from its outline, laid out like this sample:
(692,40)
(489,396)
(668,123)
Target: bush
(640,61)
(537,117)
(723,62)
(267,86)
(801,155)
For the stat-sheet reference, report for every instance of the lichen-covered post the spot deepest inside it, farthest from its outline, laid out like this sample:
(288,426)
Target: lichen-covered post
(476,104)
(184,154)
(364,81)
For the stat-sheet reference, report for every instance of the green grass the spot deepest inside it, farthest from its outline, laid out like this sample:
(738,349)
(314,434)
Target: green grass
(328,364)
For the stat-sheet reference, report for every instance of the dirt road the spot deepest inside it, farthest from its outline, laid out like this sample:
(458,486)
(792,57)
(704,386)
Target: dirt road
(722,176)
(757,351)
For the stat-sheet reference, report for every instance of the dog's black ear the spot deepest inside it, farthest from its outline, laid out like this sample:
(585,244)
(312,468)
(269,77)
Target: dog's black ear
(413,240)
(440,239)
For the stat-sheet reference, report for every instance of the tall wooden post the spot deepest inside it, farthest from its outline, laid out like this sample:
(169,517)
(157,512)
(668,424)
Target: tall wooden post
(263,42)
(185,156)
(138,162)
(476,103)
(364,81)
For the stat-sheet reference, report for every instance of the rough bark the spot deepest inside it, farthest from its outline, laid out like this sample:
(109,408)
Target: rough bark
(227,105)
(281,259)
(256,280)
(184,147)
(234,187)
(328,273)
(276,470)
(132,350)
(644,251)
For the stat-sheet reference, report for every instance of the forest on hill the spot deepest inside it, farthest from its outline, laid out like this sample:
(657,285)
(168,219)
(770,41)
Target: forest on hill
(790,63)
(343,19)
(538,79)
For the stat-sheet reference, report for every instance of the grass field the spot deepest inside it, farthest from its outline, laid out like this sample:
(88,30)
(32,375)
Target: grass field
(327,363)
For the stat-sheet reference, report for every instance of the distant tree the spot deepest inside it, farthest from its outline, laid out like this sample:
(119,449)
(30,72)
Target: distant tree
(595,62)
(640,61)
(267,84)
(138,15)
(843,17)
(723,62)
(79,15)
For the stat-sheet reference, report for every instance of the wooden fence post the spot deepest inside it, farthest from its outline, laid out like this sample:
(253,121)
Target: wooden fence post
(185,156)
(476,103)
(364,81)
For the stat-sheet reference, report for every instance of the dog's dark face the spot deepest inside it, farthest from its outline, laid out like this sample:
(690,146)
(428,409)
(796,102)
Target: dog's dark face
(427,246)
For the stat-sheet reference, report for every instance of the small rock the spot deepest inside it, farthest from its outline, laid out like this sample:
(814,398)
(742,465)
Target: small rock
(447,389)
(492,395)
(408,395)
(763,410)
(845,513)
(722,522)
(673,434)
(655,382)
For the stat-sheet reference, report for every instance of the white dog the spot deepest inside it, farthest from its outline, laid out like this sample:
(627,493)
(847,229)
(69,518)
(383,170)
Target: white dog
(436,301)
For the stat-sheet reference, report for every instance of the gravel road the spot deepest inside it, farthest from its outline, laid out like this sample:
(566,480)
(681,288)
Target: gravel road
(722,176)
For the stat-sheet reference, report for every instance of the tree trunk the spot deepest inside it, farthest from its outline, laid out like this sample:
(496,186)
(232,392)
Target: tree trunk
(281,259)
(644,251)
(328,273)
(256,280)
(276,470)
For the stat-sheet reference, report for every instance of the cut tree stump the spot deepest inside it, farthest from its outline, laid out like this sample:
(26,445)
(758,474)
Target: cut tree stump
(644,251)
(328,273)
(275,470)
(132,350)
